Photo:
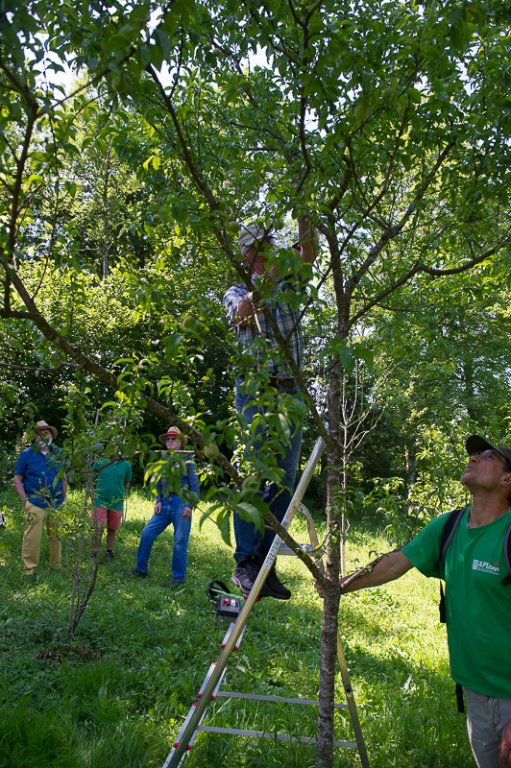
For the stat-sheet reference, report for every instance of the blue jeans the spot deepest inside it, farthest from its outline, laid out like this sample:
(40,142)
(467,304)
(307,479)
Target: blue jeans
(171,512)
(249,542)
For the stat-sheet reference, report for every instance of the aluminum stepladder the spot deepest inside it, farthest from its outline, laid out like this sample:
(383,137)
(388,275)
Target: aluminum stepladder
(210,688)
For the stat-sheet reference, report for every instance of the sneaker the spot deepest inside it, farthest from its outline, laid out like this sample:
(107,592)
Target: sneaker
(275,587)
(174,583)
(245,575)
(109,557)
(134,572)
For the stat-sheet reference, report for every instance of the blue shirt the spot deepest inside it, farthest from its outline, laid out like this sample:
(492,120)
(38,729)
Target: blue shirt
(181,477)
(39,472)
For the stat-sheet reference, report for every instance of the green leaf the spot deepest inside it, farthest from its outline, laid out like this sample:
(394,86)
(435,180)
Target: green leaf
(250,514)
(171,344)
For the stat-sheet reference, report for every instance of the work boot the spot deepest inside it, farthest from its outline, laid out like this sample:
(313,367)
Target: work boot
(275,587)
(135,572)
(174,583)
(245,575)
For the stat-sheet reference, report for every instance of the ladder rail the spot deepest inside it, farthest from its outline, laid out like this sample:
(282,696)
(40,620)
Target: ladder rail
(352,707)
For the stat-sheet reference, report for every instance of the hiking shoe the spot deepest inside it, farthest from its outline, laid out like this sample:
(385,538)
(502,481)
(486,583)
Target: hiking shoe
(245,575)
(109,557)
(134,572)
(174,583)
(275,587)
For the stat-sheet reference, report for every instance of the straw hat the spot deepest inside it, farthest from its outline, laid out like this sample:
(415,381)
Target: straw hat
(40,426)
(172,432)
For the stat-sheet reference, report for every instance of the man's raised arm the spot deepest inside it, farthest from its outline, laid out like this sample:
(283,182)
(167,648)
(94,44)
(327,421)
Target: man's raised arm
(307,243)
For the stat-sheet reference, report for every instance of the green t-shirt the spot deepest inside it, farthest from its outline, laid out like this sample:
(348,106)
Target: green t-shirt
(478,604)
(111,477)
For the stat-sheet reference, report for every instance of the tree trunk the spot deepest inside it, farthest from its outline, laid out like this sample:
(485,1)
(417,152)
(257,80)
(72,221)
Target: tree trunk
(328,665)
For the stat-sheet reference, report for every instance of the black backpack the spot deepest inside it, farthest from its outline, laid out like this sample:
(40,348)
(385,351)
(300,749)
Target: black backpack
(449,529)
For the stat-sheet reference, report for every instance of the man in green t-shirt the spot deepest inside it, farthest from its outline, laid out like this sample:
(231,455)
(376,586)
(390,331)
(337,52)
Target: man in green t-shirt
(478,604)
(113,476)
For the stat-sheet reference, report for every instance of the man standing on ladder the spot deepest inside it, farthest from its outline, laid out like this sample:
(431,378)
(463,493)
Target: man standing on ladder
(270,301)
(474,565)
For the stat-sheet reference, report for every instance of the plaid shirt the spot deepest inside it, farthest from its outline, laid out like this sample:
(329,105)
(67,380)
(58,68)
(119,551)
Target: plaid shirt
(287,320)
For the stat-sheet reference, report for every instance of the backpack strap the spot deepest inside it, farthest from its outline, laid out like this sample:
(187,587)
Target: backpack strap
(448,531)
(507,557)
(460,701)
(442,610)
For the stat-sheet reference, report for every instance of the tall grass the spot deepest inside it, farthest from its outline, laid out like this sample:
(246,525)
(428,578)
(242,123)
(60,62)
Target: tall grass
(116,695)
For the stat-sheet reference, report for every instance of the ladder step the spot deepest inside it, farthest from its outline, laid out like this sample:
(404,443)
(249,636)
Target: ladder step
(275,699)
(273,736)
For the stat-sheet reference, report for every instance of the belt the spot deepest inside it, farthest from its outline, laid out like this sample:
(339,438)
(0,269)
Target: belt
(282,381)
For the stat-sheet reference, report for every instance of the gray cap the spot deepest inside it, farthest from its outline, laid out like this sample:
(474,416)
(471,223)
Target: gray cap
(251,234)
(475,443)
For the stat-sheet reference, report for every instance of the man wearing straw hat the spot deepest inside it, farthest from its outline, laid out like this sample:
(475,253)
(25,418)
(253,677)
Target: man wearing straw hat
(177,491)
(41,484)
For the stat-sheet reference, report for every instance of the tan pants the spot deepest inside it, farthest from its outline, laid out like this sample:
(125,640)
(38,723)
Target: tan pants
(31,547)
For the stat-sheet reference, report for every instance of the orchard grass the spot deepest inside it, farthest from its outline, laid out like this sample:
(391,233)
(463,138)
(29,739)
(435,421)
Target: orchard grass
(115,695)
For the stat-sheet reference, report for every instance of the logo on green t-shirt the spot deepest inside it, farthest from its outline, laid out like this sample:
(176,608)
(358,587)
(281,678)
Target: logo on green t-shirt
(485,567)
